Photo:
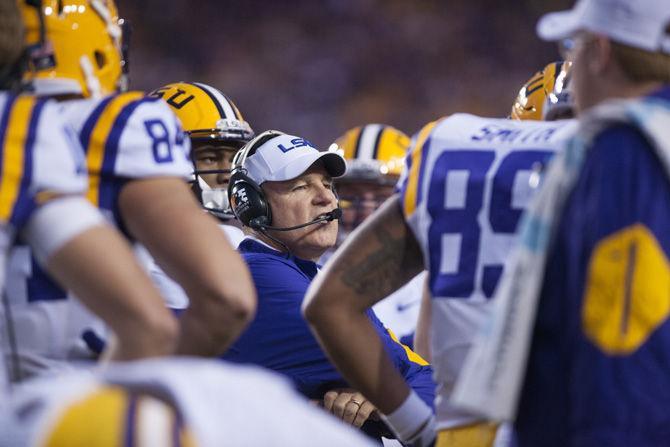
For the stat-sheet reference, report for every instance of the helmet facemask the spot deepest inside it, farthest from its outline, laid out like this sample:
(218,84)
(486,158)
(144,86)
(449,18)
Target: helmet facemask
(217,131)
(375,157)
(214,200)
(212,162)
(560,103)
(545,96)
(359,197)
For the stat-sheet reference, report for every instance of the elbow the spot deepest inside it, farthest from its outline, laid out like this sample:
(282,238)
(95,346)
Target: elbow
(151,334)
(318,306)
(327,301)
(309,310)
(241,306)
(233,305)
(165,331)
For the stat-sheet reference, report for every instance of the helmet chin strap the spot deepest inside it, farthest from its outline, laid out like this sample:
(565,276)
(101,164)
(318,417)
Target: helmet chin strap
(214,200)
(92,82)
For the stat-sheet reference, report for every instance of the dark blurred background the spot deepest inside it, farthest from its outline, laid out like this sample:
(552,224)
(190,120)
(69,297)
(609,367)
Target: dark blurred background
(316,68)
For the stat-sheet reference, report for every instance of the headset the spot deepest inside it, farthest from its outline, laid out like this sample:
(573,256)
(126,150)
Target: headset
(247,199)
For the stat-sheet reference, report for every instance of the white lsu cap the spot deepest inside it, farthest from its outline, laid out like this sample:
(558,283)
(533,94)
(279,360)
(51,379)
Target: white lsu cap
(286,157)
(637,23)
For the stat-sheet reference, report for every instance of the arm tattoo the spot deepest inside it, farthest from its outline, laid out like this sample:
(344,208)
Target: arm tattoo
(382,271)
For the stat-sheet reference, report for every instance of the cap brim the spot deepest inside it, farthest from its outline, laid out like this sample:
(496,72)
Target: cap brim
(334,163)
(558,25)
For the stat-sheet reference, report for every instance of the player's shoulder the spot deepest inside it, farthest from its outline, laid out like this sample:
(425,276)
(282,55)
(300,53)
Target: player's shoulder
(454,126)
(35,122)
(147,106)
(27,111)
(483,132)
(623,149)
(127,107)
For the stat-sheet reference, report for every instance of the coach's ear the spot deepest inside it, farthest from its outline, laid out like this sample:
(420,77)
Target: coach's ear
(598,54)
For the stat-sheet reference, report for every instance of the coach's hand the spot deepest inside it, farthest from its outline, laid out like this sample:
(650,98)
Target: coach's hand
(350,406)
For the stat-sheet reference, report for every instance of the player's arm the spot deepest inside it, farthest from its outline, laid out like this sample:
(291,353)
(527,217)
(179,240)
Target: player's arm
(187,243)
(376,260)
(91,259)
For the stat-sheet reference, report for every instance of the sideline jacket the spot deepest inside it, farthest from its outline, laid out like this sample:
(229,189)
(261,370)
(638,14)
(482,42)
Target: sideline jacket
(603,315)
(279,338)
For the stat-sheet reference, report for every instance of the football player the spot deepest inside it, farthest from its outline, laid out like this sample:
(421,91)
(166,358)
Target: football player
(579,345)
(217,130)
(466,183)
(375,156)
(42,182)
(137,158)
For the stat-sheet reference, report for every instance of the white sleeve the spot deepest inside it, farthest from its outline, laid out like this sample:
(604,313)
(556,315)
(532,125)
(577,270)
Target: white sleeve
(153,144)
(54,224)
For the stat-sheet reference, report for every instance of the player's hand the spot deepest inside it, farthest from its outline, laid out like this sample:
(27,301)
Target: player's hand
(350,406)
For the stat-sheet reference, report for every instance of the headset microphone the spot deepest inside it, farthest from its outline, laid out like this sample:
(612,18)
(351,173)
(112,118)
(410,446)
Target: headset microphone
(335,214)
(260,223)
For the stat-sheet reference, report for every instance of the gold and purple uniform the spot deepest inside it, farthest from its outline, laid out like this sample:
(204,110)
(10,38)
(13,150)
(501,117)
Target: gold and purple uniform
(121,138)
(38,162)
(468,180)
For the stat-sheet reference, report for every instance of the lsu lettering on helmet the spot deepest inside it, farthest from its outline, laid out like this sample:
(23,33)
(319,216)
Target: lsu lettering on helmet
(217,130)
(375,155)
(74,47)
(545,96)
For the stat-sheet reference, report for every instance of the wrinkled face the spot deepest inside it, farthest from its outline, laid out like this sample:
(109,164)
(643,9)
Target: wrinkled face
(358,201)
(214,157)
(298,201)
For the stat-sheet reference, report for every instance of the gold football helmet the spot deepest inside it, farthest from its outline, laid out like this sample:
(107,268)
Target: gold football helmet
(127,415)
(205,112)
(217,130)
(545,95)
(74,47)
(374,152)
(375,156)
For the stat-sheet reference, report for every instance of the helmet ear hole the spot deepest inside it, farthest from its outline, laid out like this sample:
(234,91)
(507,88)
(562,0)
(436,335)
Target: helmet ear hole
(100,59)
(76,33)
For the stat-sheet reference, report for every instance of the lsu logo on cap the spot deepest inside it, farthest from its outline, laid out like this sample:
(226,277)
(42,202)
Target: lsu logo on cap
(296,143)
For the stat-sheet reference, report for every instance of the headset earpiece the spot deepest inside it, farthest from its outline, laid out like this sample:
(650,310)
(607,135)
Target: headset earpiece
(246,197)
(248,201)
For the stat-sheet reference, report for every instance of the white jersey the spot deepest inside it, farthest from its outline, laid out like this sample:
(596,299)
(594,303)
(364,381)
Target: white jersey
(127,136)
(220,405)
(121,137)
(38,158)
(399,311)
(171,291)
(466,185)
